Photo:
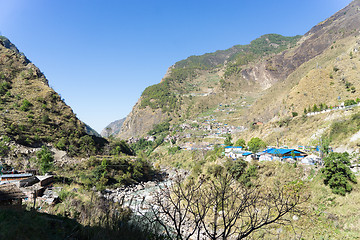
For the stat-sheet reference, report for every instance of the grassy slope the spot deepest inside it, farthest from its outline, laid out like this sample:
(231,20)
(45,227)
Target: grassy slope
(310,84)
(28,83)
(328,216)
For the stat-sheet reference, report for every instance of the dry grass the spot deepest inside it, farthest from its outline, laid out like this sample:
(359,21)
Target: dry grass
(329,216)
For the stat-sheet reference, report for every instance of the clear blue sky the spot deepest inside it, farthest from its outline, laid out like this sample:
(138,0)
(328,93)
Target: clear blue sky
(101,54)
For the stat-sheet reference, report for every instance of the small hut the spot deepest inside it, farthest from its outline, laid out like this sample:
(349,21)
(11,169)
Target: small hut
(10,194)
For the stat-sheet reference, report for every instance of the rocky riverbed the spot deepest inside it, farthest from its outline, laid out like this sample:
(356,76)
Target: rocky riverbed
(138,197)
(141,197)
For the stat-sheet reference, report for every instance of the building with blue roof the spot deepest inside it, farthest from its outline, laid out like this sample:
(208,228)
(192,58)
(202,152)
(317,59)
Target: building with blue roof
(236,152)
(281,154)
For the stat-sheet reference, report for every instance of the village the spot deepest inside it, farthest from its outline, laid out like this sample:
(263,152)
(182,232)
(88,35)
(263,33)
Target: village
(306,156)
(34,189)
(18,186)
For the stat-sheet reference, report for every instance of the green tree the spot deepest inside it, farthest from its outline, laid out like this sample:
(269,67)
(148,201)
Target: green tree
(337,173)
(240,143)
(117,147)
(236,168)
(325,146)
(315,108)
(255,144)
(222,84)
(45,159)
(349,102)
(61,144)
(228,140)
(87,145)
(4,149)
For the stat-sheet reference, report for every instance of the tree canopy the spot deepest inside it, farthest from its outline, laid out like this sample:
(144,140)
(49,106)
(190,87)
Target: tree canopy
(45,159)
(228,140)
(240,143)
(255,144)
(337,173)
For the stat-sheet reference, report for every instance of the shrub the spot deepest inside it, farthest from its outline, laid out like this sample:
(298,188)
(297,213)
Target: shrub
(25,105)
(215,170)
(61,144)
(284,122)
(3,148)
(173,150)
(64,194)
(100,170)
(87,145)
(118,147)
(236,168)
(160,128)
(349,102)
(44,159)
(45,119)
(4,87)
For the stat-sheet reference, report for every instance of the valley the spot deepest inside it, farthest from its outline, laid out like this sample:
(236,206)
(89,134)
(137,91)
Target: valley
(258,141)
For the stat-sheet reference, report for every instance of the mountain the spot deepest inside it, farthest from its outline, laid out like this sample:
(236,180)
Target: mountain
(199,83)
(113,128)
(32,113)
(271,79)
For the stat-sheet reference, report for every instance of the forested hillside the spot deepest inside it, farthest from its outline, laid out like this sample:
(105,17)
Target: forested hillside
(32,113)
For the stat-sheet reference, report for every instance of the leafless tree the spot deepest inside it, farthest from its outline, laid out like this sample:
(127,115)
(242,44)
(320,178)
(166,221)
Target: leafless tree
(172,209)
(222,208)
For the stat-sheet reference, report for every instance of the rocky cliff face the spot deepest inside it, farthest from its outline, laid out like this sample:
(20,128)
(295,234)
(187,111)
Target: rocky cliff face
(139,121)
(318,50)
(277,68)
(113,128)
(268,77)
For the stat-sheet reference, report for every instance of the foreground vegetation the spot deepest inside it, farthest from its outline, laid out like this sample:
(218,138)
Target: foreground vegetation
(315,210)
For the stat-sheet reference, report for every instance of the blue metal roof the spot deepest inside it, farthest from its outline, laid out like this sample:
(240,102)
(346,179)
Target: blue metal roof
(20,175)
(233,147)
(295,157)
(246,154)
(281,151)
(268,150)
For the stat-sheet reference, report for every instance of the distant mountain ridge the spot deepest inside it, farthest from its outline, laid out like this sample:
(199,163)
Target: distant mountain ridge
(113,128)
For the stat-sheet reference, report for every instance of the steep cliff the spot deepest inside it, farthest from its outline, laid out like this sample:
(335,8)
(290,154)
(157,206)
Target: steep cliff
(113,128)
